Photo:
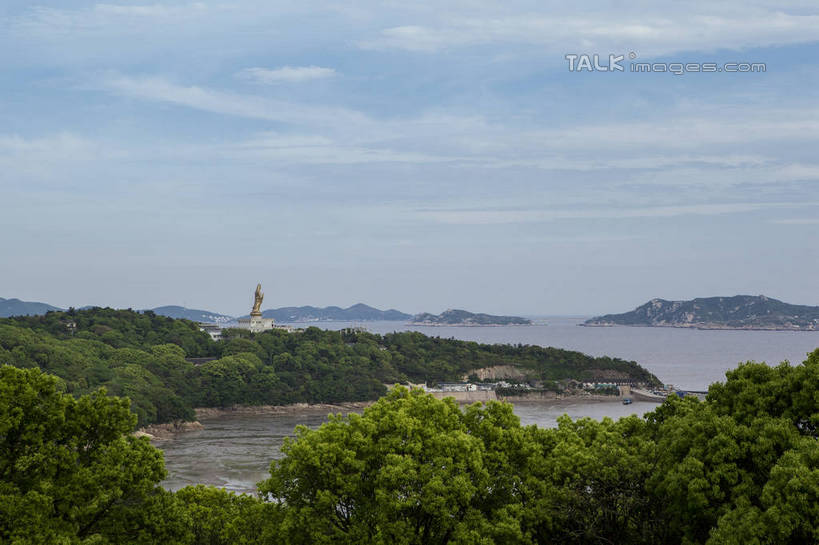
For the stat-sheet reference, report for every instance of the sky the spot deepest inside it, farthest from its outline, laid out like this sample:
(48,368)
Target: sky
(411,155)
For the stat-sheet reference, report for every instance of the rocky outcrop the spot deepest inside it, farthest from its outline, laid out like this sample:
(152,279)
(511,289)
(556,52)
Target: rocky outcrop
(498,372)
(737,312)
(168,430)
(206,413)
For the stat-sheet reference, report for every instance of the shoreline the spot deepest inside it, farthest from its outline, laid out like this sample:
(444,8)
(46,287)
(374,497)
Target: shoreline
(430,324)
(563,400)
(169,430)
(704,327)
(207,413)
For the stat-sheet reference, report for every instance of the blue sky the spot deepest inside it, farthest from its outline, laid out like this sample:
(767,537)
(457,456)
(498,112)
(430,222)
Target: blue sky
(406,155)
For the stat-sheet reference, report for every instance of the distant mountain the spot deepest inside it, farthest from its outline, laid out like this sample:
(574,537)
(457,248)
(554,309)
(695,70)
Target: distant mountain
(16,307)
(737,312)
(464,318)
(195,315)
(359,312)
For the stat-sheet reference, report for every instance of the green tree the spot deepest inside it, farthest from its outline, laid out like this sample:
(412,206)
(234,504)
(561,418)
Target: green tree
(70,472)
(587,485)
(710,465)
(218,517)
(755,389)
(408,471)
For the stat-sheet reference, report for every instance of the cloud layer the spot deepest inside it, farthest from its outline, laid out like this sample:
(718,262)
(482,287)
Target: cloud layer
(443,148)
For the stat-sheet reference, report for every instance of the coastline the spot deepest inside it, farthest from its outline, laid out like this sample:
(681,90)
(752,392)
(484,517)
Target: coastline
(169,430)
(559,400)
(207,413)
(430,324)
(705,327)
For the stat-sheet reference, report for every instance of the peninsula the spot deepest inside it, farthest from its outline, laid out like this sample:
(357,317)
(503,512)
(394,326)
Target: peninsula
(737,312)
(454,317)
(167,367)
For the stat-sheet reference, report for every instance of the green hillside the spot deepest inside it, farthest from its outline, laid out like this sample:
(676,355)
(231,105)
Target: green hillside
(463,317)
(143,356)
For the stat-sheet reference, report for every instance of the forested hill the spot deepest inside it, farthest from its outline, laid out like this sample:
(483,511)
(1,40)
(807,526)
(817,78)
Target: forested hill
(357,312)
(737,312)
(195,315)
(455,317)
(143,356)
(16,307)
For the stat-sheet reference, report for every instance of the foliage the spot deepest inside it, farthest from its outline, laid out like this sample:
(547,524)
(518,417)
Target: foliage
(413,469)
(432,359)
(120,328)
(69,473)
(218,517)
(742,467)
(143,356)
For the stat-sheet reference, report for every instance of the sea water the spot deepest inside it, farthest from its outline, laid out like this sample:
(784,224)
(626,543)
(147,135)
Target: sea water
(235,451)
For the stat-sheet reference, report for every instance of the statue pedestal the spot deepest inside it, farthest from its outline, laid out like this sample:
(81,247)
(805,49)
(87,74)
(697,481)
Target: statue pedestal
(256,323)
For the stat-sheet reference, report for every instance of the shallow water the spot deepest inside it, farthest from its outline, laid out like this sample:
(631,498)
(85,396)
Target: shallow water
(234,452)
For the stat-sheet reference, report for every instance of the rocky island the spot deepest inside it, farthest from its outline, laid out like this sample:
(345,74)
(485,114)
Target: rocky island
(737,312)
(454,317)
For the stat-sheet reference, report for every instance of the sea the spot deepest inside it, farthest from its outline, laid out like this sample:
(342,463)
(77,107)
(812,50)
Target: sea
(234,452)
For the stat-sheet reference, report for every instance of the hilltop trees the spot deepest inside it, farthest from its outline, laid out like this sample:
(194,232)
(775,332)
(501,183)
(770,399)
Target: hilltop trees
(412,469)
(69,473)
(143,356)
(734,469)
(741,467)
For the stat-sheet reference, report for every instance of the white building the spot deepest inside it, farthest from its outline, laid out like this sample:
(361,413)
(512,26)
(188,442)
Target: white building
(257,324)
(214,330)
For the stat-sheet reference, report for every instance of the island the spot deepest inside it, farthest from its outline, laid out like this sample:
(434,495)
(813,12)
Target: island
(455,317)
(737,312)
(358,312)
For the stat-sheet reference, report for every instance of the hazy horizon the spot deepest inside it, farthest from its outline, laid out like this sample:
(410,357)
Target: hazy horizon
(412,156)
(474,308)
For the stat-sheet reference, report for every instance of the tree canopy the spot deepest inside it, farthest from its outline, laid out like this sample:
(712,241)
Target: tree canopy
(737,468)
(146,358)
(69,471)
(740,467)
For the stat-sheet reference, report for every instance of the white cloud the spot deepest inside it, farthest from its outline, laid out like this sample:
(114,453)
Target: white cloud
(200,98)
(650,30)
(797,221)
(148,10)
(57,157)
(286,74)
(696,146)
(48,22)
(494,217)
(63,145)
(320,150)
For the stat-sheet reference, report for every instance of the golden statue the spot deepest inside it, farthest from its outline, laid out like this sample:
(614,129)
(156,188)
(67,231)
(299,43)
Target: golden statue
(257,303)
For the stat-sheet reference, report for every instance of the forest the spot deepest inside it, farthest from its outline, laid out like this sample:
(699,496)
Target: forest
(741,467)
(145,357)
